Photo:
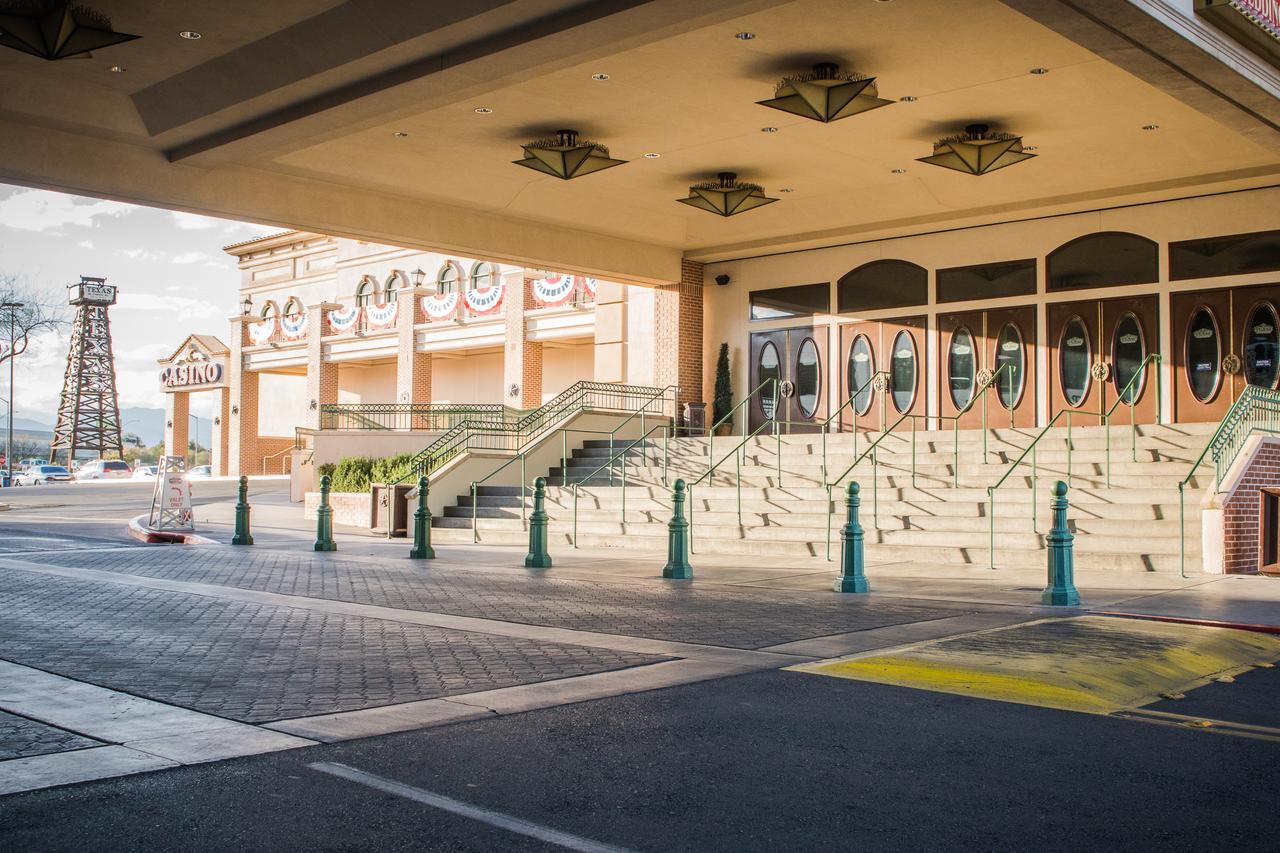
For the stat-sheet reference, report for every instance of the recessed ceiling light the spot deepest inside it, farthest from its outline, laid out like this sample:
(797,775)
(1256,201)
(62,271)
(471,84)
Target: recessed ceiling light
(652,155)
(1151,127)
(399,134)
(744,36)
(786,190)
(899,171)
(600,76)
(1039,70)
(1030,147)
(484,111)
(189,35)
(768,130)
(906,99)
(118,69)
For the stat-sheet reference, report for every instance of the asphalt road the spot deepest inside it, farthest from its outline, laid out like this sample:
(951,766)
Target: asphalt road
(769,761)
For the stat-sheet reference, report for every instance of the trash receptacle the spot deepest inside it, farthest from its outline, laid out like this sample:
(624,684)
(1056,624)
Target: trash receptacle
(695,419)
(390,506)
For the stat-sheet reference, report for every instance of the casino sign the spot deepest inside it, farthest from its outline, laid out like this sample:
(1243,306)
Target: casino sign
(198,365)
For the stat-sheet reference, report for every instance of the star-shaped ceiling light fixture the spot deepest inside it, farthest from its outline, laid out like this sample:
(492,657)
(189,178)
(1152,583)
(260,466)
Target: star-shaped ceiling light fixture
(977,151)
(826,94)
(566,156)
(55,29)
(726,195)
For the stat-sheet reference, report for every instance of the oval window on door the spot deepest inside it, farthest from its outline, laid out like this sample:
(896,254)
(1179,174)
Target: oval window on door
(1074,356)
(808,378)
(1128,350)
(1204,354)
(902,372)
(862,366)
(769,367)
(1010,351)
(1262,347)
(961,367)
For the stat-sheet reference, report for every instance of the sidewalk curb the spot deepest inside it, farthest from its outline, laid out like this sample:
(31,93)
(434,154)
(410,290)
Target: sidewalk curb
(1187,620)
(138,530)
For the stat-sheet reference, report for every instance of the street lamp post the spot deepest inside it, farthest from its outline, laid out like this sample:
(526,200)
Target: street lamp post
(196,449)
(8,447)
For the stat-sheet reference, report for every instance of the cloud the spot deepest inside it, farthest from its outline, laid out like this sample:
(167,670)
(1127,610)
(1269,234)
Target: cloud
(177,307)
(141,254)
(191,257)
(145,354)
(85,244)
(194,221)
(39,210)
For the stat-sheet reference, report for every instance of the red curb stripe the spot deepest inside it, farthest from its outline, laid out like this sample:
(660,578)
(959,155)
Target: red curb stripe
(1180,620)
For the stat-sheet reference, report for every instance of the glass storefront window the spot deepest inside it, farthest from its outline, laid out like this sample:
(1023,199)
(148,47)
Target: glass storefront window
(1262,347)
(961,367)
(1128,349)
(808,378)
(769,368)
(902,372)
(1204,354)
(1009,350)
(1074,357)
(862,366)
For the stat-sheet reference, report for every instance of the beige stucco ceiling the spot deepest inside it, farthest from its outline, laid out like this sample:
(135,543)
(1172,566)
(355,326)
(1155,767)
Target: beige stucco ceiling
(287,112)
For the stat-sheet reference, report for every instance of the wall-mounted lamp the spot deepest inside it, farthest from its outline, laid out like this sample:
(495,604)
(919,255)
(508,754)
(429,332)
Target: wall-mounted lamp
(235,410)
(217,421)
(419,276)
(246,306)
(169,424)
(313,405)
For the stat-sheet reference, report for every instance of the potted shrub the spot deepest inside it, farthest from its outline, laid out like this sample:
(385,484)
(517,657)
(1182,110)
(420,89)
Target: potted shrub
(722,401)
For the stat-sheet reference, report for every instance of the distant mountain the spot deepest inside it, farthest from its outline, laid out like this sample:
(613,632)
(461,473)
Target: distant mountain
(28,424)
(148,424)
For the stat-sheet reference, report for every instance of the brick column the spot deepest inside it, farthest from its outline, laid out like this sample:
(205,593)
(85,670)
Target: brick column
(221,432)
(322,376)
(242,391)
(611,332)
(522,358)
(177,411)
(413,368)
(677,324)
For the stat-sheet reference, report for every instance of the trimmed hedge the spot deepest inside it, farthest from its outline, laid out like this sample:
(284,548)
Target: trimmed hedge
(359,473)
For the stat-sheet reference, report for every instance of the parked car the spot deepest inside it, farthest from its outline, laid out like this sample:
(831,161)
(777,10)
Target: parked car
(104,469)
(29,462)
(40,475)
(200,472)
(145,472)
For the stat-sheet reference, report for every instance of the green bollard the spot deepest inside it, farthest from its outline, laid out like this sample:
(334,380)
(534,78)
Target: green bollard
(1061,590)
(851,577)
(324,519)
(678,566)
(538,558)
(422,549)
(242,535)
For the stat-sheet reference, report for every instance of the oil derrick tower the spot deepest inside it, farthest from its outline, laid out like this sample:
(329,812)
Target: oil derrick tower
(89,414)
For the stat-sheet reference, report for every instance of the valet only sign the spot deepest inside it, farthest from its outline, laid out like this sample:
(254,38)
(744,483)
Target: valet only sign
(181,375)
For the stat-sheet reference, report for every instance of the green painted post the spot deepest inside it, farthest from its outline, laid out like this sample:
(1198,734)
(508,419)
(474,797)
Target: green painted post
(242,535)
(422,549)
(678,566)
(324,519)
(1061,590)
(538,558)
(851,577)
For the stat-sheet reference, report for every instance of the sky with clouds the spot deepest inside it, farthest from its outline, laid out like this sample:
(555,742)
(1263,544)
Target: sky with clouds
(172,275)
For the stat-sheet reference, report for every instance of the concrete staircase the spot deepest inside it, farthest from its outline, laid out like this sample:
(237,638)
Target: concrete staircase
(1131,525)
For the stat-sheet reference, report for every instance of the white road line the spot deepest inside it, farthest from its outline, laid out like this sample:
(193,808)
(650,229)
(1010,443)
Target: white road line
(448,804)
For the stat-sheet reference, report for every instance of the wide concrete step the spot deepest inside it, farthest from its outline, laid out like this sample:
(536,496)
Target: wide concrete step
(1015,490)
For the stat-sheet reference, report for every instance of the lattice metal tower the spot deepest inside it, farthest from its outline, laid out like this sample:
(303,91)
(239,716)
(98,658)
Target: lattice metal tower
(89,414)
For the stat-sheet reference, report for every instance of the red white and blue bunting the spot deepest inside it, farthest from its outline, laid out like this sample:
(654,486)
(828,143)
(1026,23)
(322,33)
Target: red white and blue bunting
(440,307)
(553,290)
(260,333)
(381,316)
(342,319)
(588,286)
(294,326)
(486,301)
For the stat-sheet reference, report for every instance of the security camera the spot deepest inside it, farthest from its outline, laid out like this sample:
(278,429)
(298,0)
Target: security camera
(722,279)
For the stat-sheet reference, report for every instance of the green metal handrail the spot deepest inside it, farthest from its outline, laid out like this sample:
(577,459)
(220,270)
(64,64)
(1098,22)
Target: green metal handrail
(875,478)
(1256,410)
(728,416)
(622,454)
(410,416)
(1103,417)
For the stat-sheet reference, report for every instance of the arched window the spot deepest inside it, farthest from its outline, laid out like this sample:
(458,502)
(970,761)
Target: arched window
(882,284)
(270,310)
(481,276)
(293,307)
(447,279)
(389,288)
(365,292)
(1103,260)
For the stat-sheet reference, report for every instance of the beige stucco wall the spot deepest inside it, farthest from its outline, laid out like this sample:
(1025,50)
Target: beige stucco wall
(563,366)
(282,403)
(473,378)
(726,308)
(367,383)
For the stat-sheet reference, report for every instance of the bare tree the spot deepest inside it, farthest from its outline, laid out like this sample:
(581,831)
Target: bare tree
(36,314)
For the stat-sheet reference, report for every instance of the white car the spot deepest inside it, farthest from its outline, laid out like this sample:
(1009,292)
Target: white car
(103,469)
(145,472)
(200,472)
(40,475)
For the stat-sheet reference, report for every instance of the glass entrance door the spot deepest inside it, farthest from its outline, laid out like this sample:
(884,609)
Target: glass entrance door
(972,345)
(1223,340)
(1098,351)
(794,359)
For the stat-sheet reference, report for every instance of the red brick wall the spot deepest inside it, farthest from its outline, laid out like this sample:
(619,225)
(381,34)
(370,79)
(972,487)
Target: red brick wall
(1241,508)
